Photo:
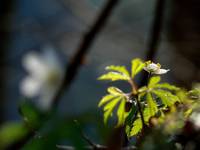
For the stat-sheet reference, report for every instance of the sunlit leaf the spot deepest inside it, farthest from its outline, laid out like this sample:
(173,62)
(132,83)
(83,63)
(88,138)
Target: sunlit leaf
(153,81)
(115,91)
(142,89)
(114,76)
(120,69)
(109,107)
(121,113)
(188,112)
(166,97)
(137,127)
(105,99)
(151,108)
(166,86)
(137,66)
(111,101)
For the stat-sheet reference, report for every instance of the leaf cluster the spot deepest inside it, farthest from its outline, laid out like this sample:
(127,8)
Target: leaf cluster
(154,98)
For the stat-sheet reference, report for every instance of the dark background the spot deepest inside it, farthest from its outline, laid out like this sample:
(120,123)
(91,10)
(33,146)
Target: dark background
(60,24)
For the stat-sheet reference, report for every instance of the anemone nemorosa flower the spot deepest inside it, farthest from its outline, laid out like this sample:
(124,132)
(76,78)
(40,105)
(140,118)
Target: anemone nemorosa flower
(155,68)
(45,73)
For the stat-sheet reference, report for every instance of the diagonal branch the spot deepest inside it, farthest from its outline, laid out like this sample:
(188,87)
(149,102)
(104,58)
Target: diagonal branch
(84,136)
(155,34)
(101,147)
(89,37)
(75,63)
(156,30)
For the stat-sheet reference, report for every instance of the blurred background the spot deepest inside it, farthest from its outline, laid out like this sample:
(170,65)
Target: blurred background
(27,25)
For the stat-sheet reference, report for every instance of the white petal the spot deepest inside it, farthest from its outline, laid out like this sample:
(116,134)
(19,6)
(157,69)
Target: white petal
(35,65)
(161,71)
(195,118)
(153,66)
(46,97)
(146,69)
(51,57)
(30,87)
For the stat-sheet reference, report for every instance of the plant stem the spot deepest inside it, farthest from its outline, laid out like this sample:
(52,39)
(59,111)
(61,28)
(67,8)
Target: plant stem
(135,92)
(133,86)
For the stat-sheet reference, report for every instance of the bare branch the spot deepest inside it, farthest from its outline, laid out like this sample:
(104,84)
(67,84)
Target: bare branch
(76,61)
(79,56)
(84,136)
(154,38)
(100,147)
(156,30)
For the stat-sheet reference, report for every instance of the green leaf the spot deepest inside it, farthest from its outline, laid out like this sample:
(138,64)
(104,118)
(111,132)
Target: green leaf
(115,91)
(153,81)
(105,99)
(120,69)
(130,119)
(182,95)
(137,66)
(166,97)
(31,114)
(166,86)
(188,112)
(151,108)
(194,94)
(11,132)
(110,101)
(121,113)
(114,76)
(109,107)
(131,116)
(141,96)
(137,127)
(142,89)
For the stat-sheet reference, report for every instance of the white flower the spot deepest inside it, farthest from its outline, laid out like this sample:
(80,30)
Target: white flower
(195,118)
(45,75)
(155,68)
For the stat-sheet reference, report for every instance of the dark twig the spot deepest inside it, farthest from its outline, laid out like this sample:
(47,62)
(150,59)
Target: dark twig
(79,56)
(156,30)
(155,34)
(93,146)
(84,136)
(151,51)
(101,147)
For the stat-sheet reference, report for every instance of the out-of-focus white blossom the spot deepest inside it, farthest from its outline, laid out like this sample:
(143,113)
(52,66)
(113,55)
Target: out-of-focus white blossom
(195,118)
(45,73)
(155,68)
